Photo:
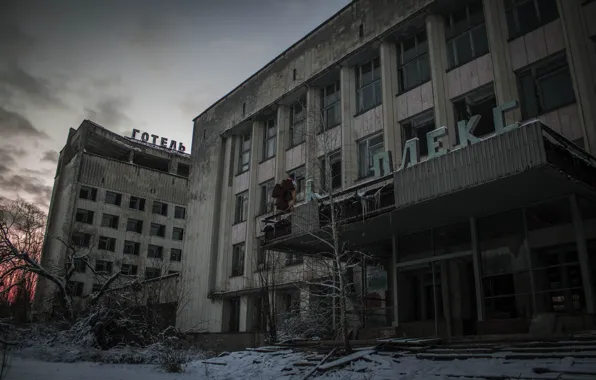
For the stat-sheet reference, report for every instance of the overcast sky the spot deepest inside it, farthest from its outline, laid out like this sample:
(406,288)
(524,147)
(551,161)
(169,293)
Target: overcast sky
(151,65)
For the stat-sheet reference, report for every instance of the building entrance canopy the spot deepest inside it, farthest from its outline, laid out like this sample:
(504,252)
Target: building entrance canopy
(518,167)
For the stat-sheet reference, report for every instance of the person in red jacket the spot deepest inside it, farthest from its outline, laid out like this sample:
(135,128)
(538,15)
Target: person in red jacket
(284,194)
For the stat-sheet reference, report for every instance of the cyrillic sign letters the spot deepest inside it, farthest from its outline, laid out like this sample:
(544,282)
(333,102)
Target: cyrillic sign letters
(163,141)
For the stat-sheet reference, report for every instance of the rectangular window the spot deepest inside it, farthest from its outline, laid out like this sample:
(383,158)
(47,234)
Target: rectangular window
(335,166)
(128,270)
(270,139)
(367,149)
(107,243)
(299,175)
(241,207)
(413,61)
(466,34)
(368,85)
(103,266)
(244,158)
(137,203)
(157,230)
(81,239)
(179,212)
(89,193)
(113,198)
(480,102)
(294,259)
(545,87)
(177,233)
(110,221)
(524,16)
(297,122)
(330,107)
(75,288)
(84,216)
(238,260)
(160,208)
(418,127)
(80,265)
(154,251)
(152,273)
(134,225)
(234,321)
(132,248)
(175,254)
(266,203)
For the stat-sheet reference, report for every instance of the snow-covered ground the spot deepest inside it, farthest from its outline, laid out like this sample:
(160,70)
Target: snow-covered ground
(286,364)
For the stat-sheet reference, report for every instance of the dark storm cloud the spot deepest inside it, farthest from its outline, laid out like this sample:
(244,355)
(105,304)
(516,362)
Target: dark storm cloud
(50,156)
(110,112)
(15,124)
(17,183)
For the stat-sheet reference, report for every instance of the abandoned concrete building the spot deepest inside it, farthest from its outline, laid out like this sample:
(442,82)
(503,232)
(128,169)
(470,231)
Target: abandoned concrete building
(460,137)
(121,200)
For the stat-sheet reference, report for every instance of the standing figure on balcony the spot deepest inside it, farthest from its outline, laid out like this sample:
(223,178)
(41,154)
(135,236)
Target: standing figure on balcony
(284,194)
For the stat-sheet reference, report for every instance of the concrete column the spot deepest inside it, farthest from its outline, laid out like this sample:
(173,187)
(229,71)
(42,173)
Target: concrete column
(443,109)
(250,254)
(578,46)
(349,154)
(173,166)
(445,276)
(313,118)
(391,135)
(283,127)
(582,253)
(394,282)
(477,261)
(505,83)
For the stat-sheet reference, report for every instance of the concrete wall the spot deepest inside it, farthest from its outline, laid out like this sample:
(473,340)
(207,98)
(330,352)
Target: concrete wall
(331,53)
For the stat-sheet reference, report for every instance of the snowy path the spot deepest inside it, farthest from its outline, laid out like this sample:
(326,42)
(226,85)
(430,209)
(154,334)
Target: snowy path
(280,365)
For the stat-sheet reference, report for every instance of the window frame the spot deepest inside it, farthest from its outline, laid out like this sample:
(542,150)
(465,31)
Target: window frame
(138,201)
(512,8)
(265,201)
(117,197)
(326,106)
(556,64)
(375,81)
(136,248)
(159,251)
(86,239)
(300,178)
(133,268)
(298,118)
(152,270)
(175,254)
(138,223)
(241,209)
(163,209)
(177,230)
(238,259)
(270,139)
(334,157)
(367,140)
(177,212)
(115,220)
(109,243)
(92,192)
(403,66)
(417,122)
(87,216)
(160,227)
(453,36)
(108,264)
(245,138)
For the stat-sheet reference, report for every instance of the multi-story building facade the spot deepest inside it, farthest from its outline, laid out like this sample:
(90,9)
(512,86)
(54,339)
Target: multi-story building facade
(119,201)
(381,74)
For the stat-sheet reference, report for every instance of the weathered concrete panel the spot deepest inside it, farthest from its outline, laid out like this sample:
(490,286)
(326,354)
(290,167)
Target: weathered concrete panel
(238,233)
(470,76)
(564,121)
(536,45)
(367,123)
(266,170)
(295,157)
(329,141)
(241,182)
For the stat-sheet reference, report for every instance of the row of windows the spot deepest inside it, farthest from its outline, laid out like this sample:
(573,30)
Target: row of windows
(543,87)
(466,39)
(132,225)
(105,243)
(239,252)
(135,203)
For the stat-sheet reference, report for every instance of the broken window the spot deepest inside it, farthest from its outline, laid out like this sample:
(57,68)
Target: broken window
(480,102)
(367,149)
(84,216)
(418,126)
(88,193)
(335,166)
(81,239)
(266,204)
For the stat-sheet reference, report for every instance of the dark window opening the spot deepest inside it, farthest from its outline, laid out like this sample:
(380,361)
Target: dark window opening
(241,212)
(183,170)
(234,321)
(480,102)
(88,193)
(294,259)
(413,61)
(335,166)
(299,175)
(132,248)
(107,243)
(419,126)
(466,34)
(113,198)
(297,123)
(151,162)
(75,288)
(103,266)
(266,203)
(524,16)
(270,141)
(81,239)
(137,203)
(84,216)
(134,225)
(330,106)
(160,208)
(157,230)
(244,158)
(128,270)
(110,221)
(154,251)
(238,260)
(151,273)
(179,212)
(368,85)
(367,150)
(177,233)
(175,254)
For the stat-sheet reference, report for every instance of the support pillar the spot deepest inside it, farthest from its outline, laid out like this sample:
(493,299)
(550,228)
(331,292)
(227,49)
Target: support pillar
(394,282)
(250,253)
(283,127)
(578,46)
(437,47)
(313,120)
(477,262)
(349,154)
(391,135)
(582,253)
(505,84)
